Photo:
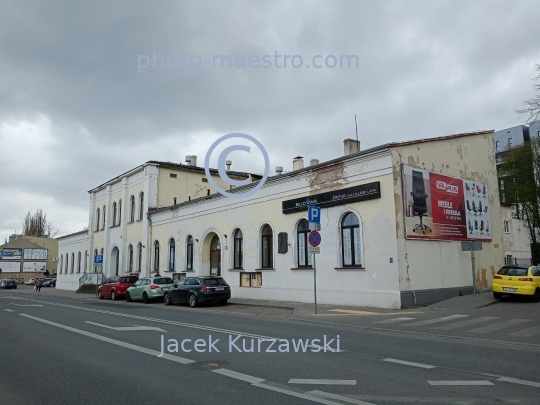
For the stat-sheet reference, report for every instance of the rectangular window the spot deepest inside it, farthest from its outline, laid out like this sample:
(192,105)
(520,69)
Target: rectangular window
(251,280)
(173,175)
(347,253)
(506,225)
(204,180)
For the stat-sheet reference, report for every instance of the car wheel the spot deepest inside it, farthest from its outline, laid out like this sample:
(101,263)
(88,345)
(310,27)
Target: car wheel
(497,295)
(100,295)
(192,301)
(113,296)
(128,297)
(145,298)
(536,296)
(167,299)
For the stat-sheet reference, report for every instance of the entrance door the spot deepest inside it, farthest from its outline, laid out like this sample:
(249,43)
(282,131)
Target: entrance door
(215,257)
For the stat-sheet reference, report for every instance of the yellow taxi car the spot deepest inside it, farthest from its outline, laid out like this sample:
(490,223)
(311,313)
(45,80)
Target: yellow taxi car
(517,280)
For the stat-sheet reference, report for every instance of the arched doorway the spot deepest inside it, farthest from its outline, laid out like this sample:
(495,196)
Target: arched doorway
(215,256)
(115,262)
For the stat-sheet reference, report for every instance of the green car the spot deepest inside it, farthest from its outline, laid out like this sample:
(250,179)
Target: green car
(148,288)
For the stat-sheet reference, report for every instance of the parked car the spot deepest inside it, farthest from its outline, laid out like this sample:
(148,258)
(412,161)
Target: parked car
(196,290)
(45,280)
(30,281)
(115,287)
(8,284)
(149,288)
(49,282)
(517,280)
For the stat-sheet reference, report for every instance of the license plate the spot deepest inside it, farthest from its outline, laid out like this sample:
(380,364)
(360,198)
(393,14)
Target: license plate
(507,289)
(219,288)
(164,288)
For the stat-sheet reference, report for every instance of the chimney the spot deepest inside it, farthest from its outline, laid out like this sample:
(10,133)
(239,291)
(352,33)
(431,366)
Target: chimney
(298,163)
(279,169)
(193,160)
(351,146)
(188,160)
(228,163)
(313,162)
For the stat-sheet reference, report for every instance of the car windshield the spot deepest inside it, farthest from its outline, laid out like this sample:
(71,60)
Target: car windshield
(513,271)
(163,280)
(129,280)
(214,281)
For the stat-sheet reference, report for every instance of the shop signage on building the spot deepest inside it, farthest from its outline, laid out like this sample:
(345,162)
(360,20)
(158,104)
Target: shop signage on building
(35,254)
(332,198)
(10,253)
(35,267)
(10,267)
(445,208)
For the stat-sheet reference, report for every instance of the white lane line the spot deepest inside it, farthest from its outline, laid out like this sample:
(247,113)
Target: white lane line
(113,341)
(477,382)
(535,330)
(339,397)
(321,382)
(239,376)
(27,305)
(404,318)
(409,363)
(500,325)
(9,310)
(296,394)
(468,322)
(522,382)
(127,328)
(436,320)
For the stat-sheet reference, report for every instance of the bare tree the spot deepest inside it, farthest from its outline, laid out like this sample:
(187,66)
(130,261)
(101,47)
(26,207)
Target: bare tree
(37,225)
(532,111)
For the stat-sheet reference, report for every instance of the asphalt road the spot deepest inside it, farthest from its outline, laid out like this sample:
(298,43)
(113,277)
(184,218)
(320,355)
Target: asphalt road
(58,350)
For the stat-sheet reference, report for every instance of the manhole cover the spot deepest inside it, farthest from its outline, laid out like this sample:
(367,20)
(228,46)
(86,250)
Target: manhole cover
(209,365)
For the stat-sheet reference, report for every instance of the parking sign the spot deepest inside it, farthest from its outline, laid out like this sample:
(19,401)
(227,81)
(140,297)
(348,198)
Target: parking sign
(314,214)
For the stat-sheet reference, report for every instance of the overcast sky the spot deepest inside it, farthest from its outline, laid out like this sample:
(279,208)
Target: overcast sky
(78,107)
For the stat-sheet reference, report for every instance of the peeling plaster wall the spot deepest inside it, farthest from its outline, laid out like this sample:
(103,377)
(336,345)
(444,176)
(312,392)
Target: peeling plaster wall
(517,241)
(428,264)
(376,285)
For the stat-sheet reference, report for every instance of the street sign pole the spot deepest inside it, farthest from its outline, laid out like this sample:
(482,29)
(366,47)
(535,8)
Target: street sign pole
(315,281)
(473,271)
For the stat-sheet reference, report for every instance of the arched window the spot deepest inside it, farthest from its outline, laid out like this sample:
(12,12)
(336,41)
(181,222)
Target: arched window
(86,261)
(119,212)
(189,253)
(61,263)
(95,254)
(139,256)
(114,213)
(351,244)
(97,220)
(171,254)
(141,207)
(132,209)
(130,258)
(67,263)
(267,247)
(116,254)
(79,262)
(72,262)
(104,218)
(238,245)
(302,231)
(156,256)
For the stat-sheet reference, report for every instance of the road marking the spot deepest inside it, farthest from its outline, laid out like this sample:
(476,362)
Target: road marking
(436,320)
(535,330)
(355,312)
(522,382)
(339,397)
(9,310)
(395,320)
(500,325)
(113,341)
(238,376)
(30,305)
(295,394)
(321,382)
(409,363)
(127,328)
(477,382)
(466,323)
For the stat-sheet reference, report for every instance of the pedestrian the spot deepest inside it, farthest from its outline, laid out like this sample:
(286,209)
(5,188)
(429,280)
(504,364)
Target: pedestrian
(35,284)
(38,285)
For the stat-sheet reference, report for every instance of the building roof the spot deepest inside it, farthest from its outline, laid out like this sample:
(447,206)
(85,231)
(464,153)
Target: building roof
(279,177)
(176,166)
(73,234)
(21,243)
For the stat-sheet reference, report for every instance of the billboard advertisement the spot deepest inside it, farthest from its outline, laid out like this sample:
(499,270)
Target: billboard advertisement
(10,267)
(35,267)
(35,254)
(443,207)
(10,253)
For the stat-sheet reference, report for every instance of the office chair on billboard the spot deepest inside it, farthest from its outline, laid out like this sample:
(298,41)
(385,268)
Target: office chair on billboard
(419,196)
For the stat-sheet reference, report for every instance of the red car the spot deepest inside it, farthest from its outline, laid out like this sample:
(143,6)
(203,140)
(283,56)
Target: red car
(115,287)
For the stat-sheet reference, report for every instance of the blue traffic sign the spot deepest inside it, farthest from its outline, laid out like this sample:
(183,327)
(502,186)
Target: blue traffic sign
(314,238)
(98,259)
(314,214)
